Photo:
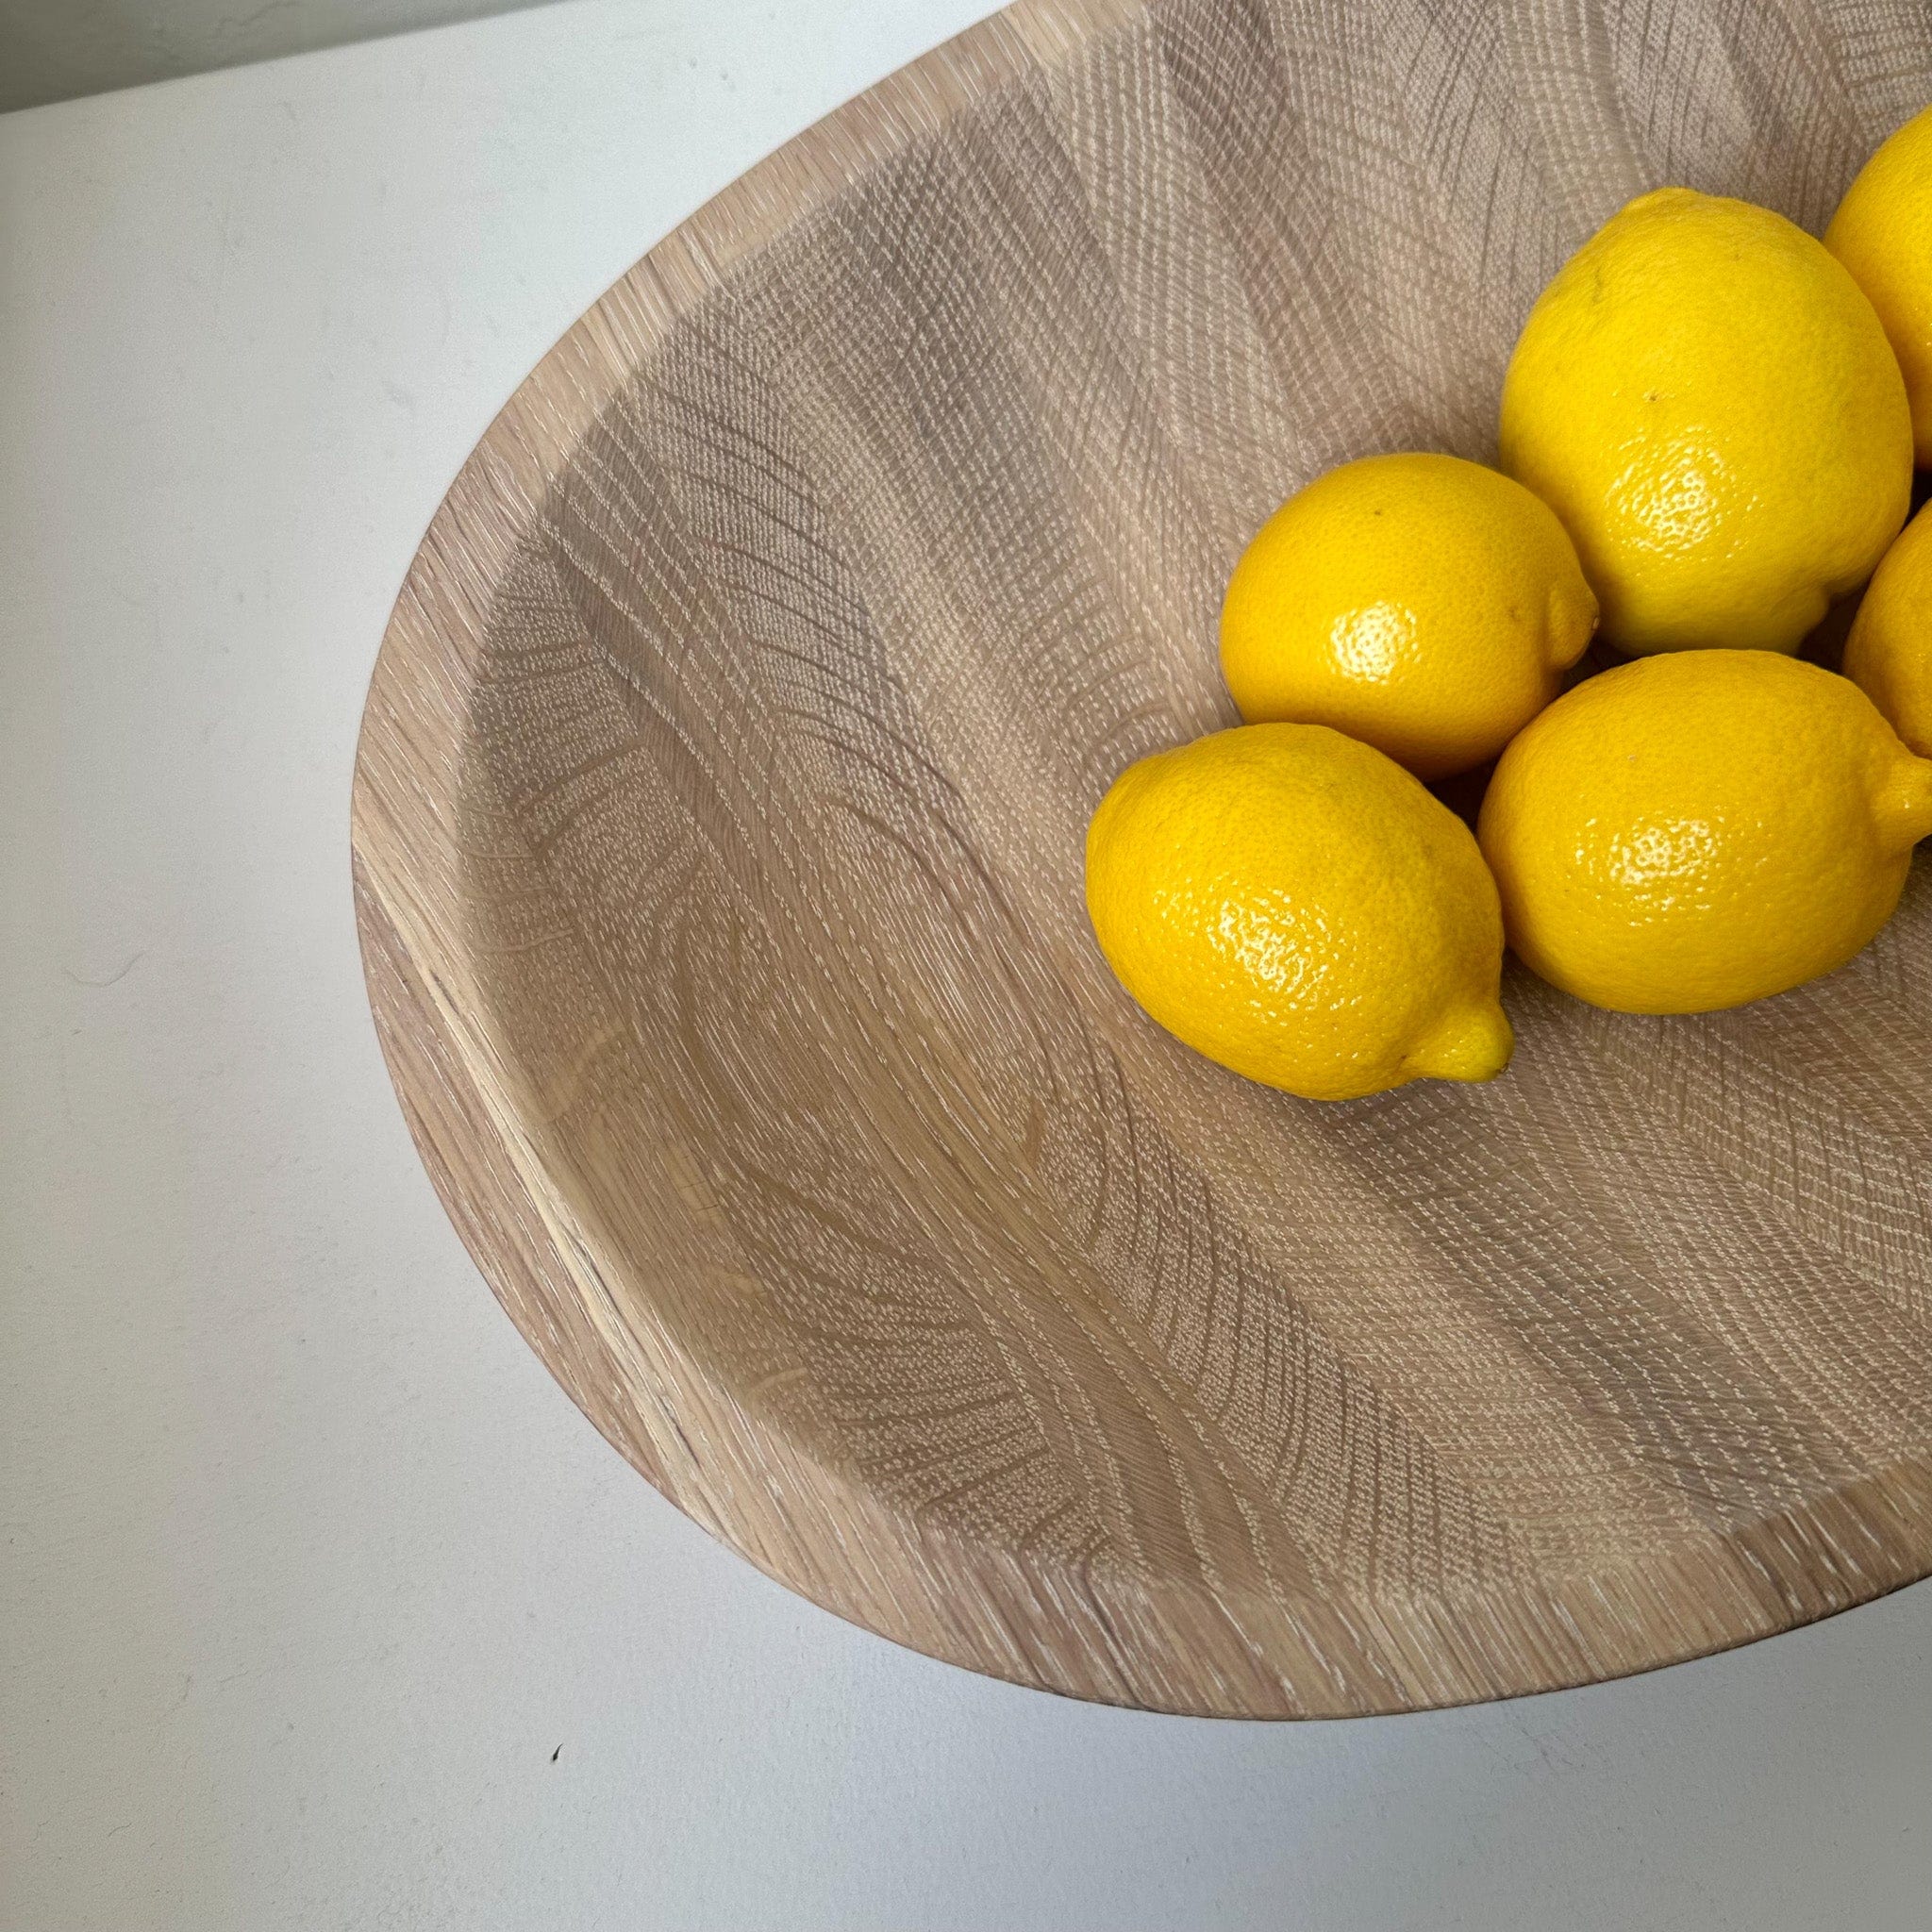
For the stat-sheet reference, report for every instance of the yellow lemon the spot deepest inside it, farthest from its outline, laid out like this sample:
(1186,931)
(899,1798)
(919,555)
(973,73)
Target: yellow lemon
(1294,905)
(1423,603)
(1883,233)
(1707,400)
(1888,652)
(1695,831)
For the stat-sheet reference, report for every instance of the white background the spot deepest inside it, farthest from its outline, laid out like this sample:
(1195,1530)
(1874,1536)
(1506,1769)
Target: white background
(51,50)
(321,1606)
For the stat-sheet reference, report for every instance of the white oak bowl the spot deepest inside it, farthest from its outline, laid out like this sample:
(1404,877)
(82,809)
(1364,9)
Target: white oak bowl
(718,838)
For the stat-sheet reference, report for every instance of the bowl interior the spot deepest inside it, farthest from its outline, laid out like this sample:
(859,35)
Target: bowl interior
(981,1308)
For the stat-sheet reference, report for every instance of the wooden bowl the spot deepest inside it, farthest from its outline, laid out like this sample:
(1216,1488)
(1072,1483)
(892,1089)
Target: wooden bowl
(718,837)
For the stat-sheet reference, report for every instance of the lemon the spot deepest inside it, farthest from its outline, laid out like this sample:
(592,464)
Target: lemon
(1888,652)
(1294,905)
(1423,603)
(1707,400)
(1695,831)
(1883,233)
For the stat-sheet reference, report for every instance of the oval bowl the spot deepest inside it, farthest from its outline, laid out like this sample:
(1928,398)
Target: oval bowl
(718,828)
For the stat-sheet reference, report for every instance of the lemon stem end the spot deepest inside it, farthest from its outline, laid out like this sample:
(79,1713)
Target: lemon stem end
(1469,1046)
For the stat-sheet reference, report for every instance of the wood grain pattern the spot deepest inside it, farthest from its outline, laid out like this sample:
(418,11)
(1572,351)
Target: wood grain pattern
(718,825)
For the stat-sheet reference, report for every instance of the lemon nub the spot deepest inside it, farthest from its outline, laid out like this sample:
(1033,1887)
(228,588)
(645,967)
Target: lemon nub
(1904,806)
(1474,1045)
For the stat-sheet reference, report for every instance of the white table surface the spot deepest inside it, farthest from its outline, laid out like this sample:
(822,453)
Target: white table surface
(319,1604)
